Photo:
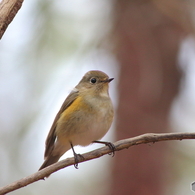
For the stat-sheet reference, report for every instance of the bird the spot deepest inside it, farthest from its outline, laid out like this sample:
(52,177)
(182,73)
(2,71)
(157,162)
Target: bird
(84,118)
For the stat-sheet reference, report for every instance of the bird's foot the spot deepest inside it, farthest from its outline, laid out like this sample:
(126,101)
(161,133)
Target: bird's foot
(109,144)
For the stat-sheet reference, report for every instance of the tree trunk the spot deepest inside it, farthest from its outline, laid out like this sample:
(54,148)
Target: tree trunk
(148,41)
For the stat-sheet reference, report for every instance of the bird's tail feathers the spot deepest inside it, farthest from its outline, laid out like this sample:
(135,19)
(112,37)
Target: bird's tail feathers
(49,161)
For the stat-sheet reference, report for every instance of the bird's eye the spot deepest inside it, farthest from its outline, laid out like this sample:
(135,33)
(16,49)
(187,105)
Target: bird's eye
(93,80)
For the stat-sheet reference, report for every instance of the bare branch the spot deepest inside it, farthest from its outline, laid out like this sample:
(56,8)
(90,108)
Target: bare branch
(120,145)
(8,10)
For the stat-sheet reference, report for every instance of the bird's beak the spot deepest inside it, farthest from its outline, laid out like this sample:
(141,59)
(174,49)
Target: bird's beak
(108,80)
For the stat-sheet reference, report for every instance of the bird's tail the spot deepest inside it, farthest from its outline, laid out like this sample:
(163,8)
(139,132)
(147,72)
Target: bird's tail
(55,154)
(49,161)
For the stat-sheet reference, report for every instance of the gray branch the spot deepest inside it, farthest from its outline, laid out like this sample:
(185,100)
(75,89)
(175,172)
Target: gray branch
(120,145)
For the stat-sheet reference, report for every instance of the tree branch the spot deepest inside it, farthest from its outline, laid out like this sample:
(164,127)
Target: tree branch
(120,145)
(8,10)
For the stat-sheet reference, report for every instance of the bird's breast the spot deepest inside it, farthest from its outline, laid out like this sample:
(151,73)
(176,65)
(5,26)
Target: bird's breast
(86,121)
(97,121)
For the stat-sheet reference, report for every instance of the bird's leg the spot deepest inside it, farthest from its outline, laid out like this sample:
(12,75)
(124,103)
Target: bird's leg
(76,156)
(109,144)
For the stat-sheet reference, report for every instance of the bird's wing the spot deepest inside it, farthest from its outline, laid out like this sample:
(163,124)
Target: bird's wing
(49,143)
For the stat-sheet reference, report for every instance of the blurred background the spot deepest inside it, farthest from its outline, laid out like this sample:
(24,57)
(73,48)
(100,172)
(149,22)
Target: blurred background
(148,46)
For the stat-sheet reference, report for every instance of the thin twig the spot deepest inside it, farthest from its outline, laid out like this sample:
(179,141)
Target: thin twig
(119,145)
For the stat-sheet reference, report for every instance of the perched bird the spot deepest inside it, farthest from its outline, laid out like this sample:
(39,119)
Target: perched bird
(84,118)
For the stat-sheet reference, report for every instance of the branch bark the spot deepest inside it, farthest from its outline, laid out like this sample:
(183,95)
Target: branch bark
(119,145)
(8,10)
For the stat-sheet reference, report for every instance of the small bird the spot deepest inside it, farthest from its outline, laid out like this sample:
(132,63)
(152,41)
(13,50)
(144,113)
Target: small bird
(84,118)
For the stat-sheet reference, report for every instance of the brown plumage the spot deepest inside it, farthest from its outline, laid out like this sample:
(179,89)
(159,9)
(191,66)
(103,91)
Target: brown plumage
(84,117)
